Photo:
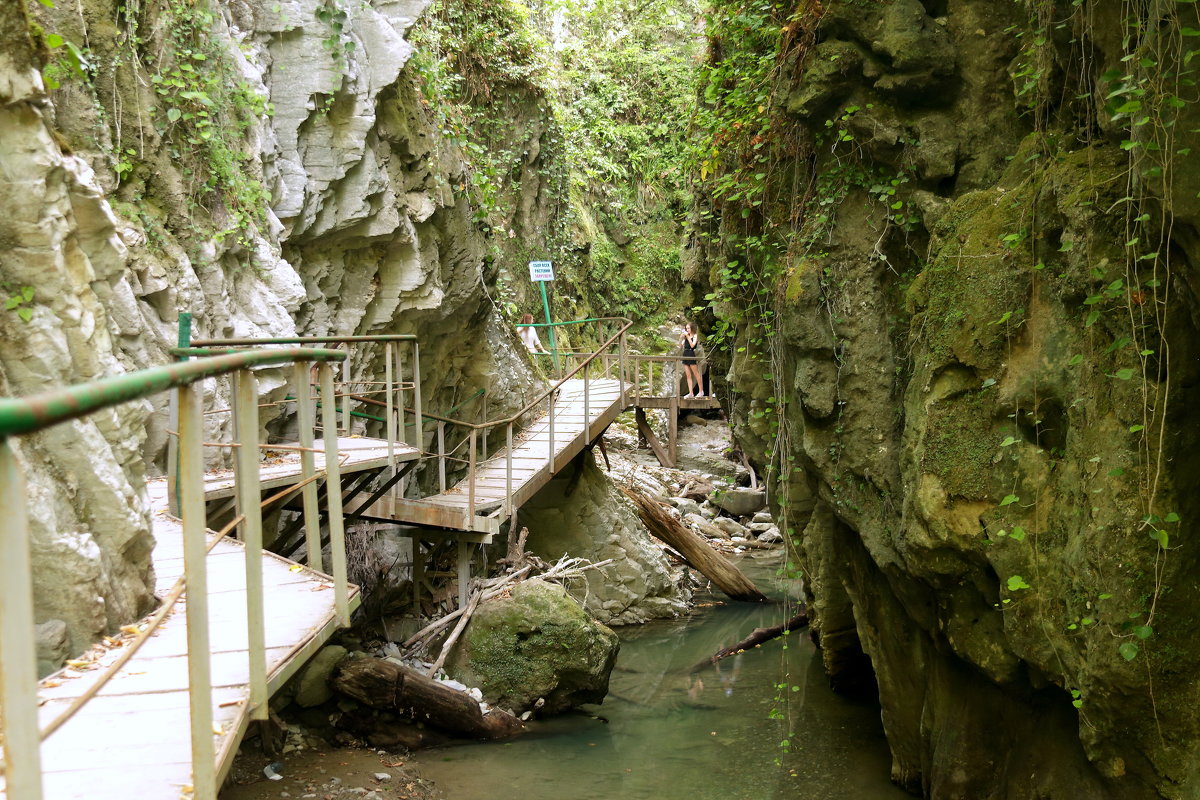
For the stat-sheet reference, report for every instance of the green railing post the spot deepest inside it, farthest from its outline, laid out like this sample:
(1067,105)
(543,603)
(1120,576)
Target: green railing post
(18,657)
(553,344)
(184,340)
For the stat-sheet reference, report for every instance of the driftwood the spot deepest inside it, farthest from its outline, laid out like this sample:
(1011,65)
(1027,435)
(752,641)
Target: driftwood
(756,638)
(563,569)
(386,685)
(694,550)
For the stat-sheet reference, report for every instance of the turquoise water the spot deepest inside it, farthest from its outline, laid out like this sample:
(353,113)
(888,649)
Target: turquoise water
(664,734)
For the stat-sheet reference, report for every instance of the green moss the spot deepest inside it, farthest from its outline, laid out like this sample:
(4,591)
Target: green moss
(959,446)
(979,275)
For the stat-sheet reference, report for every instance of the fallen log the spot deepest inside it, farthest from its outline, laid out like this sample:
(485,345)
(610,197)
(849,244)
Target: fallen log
(693,549)
(756,638)
(386,685)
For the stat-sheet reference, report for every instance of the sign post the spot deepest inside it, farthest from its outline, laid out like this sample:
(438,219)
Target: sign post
(542,272)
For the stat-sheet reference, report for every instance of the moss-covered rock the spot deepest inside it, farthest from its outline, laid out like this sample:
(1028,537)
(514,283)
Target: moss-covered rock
(537,643)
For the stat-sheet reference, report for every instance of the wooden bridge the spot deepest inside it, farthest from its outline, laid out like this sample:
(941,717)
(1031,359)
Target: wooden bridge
(161,712)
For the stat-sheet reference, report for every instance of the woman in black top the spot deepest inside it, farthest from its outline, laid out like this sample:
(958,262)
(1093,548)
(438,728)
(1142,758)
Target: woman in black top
(691,368)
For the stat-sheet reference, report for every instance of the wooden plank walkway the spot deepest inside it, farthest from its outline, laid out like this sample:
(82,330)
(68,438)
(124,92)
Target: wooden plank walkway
(358,453)
(133,738)
(531,464)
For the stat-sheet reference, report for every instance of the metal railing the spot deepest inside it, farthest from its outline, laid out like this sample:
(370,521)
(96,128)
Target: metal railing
(18,678)
(348,391)
(609,358)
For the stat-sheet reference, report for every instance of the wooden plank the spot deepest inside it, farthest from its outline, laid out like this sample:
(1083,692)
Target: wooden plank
(133,738)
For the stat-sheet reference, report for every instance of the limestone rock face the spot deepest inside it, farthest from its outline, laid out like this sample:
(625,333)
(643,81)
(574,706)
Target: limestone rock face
(536,644)
(90,538)
(116,222)
(964,474)
(595,522)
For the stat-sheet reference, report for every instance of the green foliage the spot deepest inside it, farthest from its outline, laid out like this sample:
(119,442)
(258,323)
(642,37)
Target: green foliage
(587,104)
(206,108)
(21,301)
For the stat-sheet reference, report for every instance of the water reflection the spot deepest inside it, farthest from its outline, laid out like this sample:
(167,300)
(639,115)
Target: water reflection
(670,730)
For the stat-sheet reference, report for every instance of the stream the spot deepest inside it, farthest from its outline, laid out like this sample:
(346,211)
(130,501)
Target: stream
(665,735)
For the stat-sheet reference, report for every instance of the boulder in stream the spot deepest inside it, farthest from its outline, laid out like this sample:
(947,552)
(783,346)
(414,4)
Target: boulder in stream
(538,643)
(739,502)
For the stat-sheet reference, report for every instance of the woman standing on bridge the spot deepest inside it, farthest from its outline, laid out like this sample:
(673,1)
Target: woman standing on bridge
(529,335)
(690,341)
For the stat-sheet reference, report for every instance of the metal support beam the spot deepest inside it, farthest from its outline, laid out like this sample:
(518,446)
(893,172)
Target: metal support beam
(464,572)
(18,655)
(195,552)
(306,424)
(245,420)
(333,498)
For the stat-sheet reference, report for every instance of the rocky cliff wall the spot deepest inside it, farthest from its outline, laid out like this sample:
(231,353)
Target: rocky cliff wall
(271,170)
(978,391)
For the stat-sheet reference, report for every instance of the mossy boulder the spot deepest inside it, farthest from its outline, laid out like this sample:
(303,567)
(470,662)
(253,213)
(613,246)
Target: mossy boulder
(537,643)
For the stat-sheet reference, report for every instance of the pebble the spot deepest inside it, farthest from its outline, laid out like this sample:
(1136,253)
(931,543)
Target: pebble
(382,776)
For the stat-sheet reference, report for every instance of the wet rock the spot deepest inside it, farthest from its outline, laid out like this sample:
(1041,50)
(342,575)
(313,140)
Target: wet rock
(731,527)
(312,684)
(739,502)
(538,643)
(685,505)
(705,527)
(771,536)
(52,646)
(639,584)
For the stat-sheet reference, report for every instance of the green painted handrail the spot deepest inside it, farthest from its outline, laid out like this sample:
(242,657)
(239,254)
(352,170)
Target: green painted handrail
(567,322)
(26,414)
(252,342)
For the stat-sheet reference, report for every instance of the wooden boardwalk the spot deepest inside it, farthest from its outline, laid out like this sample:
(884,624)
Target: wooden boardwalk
(532,467)
(133,739)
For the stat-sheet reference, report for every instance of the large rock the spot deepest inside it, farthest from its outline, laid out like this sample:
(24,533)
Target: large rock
(312,684)
(538,643)
(737,501)
(596,522)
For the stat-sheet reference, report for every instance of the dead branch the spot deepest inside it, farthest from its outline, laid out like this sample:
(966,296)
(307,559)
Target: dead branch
(756,638)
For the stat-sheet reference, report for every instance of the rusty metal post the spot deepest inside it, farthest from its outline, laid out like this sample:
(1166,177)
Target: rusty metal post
(418,410)
(673,431)
(508,433)
(333,499)
(195,568)
(621,377)
(464,572)
(389,377)
(346,390)
(18,678)
(471,482)
(245,420)
(306,425)
(403,429)
(550,422)
(441,449)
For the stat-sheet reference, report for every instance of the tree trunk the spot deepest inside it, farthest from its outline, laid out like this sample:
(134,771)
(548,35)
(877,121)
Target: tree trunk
(756,637)
(391,687)
(695,551)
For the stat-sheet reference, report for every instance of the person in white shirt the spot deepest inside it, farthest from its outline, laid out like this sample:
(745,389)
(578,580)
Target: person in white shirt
(529,335)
